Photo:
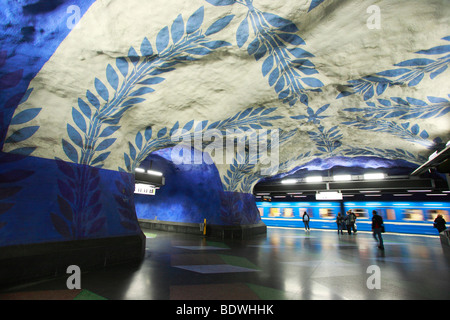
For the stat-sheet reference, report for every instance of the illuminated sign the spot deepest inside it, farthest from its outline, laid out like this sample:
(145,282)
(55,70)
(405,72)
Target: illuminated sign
(329,196)
(147,189)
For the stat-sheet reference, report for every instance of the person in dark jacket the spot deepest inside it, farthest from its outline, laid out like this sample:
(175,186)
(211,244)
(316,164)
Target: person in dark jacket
(350,220)
(439,223)
(340,223)
(377,225)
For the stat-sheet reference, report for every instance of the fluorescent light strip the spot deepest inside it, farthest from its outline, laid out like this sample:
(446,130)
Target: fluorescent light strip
(289,181)
(154,173)
(436,194)
(139,170)
(419,190)
(314,179)
(403,195)
(374,176)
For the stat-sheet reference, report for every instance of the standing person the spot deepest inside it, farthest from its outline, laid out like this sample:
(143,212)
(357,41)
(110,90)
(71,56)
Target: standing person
(377,226)
(439,223)
(306,221)
(340,223)
(352,221)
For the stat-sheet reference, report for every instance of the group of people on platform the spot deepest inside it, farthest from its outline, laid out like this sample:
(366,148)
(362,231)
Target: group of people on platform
(348,222)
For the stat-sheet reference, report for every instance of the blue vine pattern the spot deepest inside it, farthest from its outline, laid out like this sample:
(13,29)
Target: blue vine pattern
(96,120)
(410,72)
(287,66)
(79,213)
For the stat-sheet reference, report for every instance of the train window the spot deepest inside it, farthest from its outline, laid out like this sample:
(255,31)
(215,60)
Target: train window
(432,214)
(274,212)
(412,214)
(261,211)
(361,213)
(390,214)
(288,212)
(326,213)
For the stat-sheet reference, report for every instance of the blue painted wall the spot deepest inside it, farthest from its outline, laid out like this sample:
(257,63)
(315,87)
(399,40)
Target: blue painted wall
(193,192)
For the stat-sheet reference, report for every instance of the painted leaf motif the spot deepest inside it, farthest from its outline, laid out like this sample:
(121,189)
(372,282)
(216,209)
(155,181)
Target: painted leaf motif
(25,116)
(221,2)
(146,48)
(79,119)
(92,99)
(141,91)
(122,65)
(22,134)
(219,25)
(242,33)
(109,131)
(436,50)
(177,30)
(84,108)
(195,21)
(70,151)
(105,144)
(112,77)
(101,158)
(60,225)
(314,4)
(138,140)
(74,136)
(162,39)
(101,89)
(148,133)
(65,208)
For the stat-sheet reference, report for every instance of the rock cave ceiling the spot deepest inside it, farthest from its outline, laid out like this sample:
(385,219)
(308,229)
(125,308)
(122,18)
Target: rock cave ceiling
(322,82)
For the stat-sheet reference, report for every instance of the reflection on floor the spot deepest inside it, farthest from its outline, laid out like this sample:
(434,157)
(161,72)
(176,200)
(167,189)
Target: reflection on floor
(287,264)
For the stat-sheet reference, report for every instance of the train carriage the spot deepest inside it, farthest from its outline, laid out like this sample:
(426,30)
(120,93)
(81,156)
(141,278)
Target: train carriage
(401,217)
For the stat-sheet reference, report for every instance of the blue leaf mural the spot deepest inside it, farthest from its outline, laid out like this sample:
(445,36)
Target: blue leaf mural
(276,42)
(409,72)
(97,119)
(78,213)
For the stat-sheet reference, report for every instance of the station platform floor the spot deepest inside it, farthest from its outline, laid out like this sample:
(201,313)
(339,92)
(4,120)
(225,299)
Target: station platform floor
(287,264)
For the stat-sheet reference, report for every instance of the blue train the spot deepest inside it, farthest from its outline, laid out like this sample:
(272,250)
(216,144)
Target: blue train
(401,216)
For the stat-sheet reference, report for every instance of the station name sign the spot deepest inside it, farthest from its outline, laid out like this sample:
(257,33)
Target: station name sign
(147,189)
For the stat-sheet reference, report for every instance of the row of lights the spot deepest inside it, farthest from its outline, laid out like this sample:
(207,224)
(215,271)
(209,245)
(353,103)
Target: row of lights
(346,177)
(365,193)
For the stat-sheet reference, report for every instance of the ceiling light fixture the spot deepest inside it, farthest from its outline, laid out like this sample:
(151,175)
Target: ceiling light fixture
(314,179)
(374,176)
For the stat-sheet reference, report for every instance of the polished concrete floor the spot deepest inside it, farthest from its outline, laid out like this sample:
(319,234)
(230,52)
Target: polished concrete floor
(287,264)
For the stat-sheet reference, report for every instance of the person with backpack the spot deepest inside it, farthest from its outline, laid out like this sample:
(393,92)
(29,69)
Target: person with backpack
(350,222)
(306,221)
(377,229)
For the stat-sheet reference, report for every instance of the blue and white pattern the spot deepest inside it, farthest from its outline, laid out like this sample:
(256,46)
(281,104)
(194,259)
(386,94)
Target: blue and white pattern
(117,102)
